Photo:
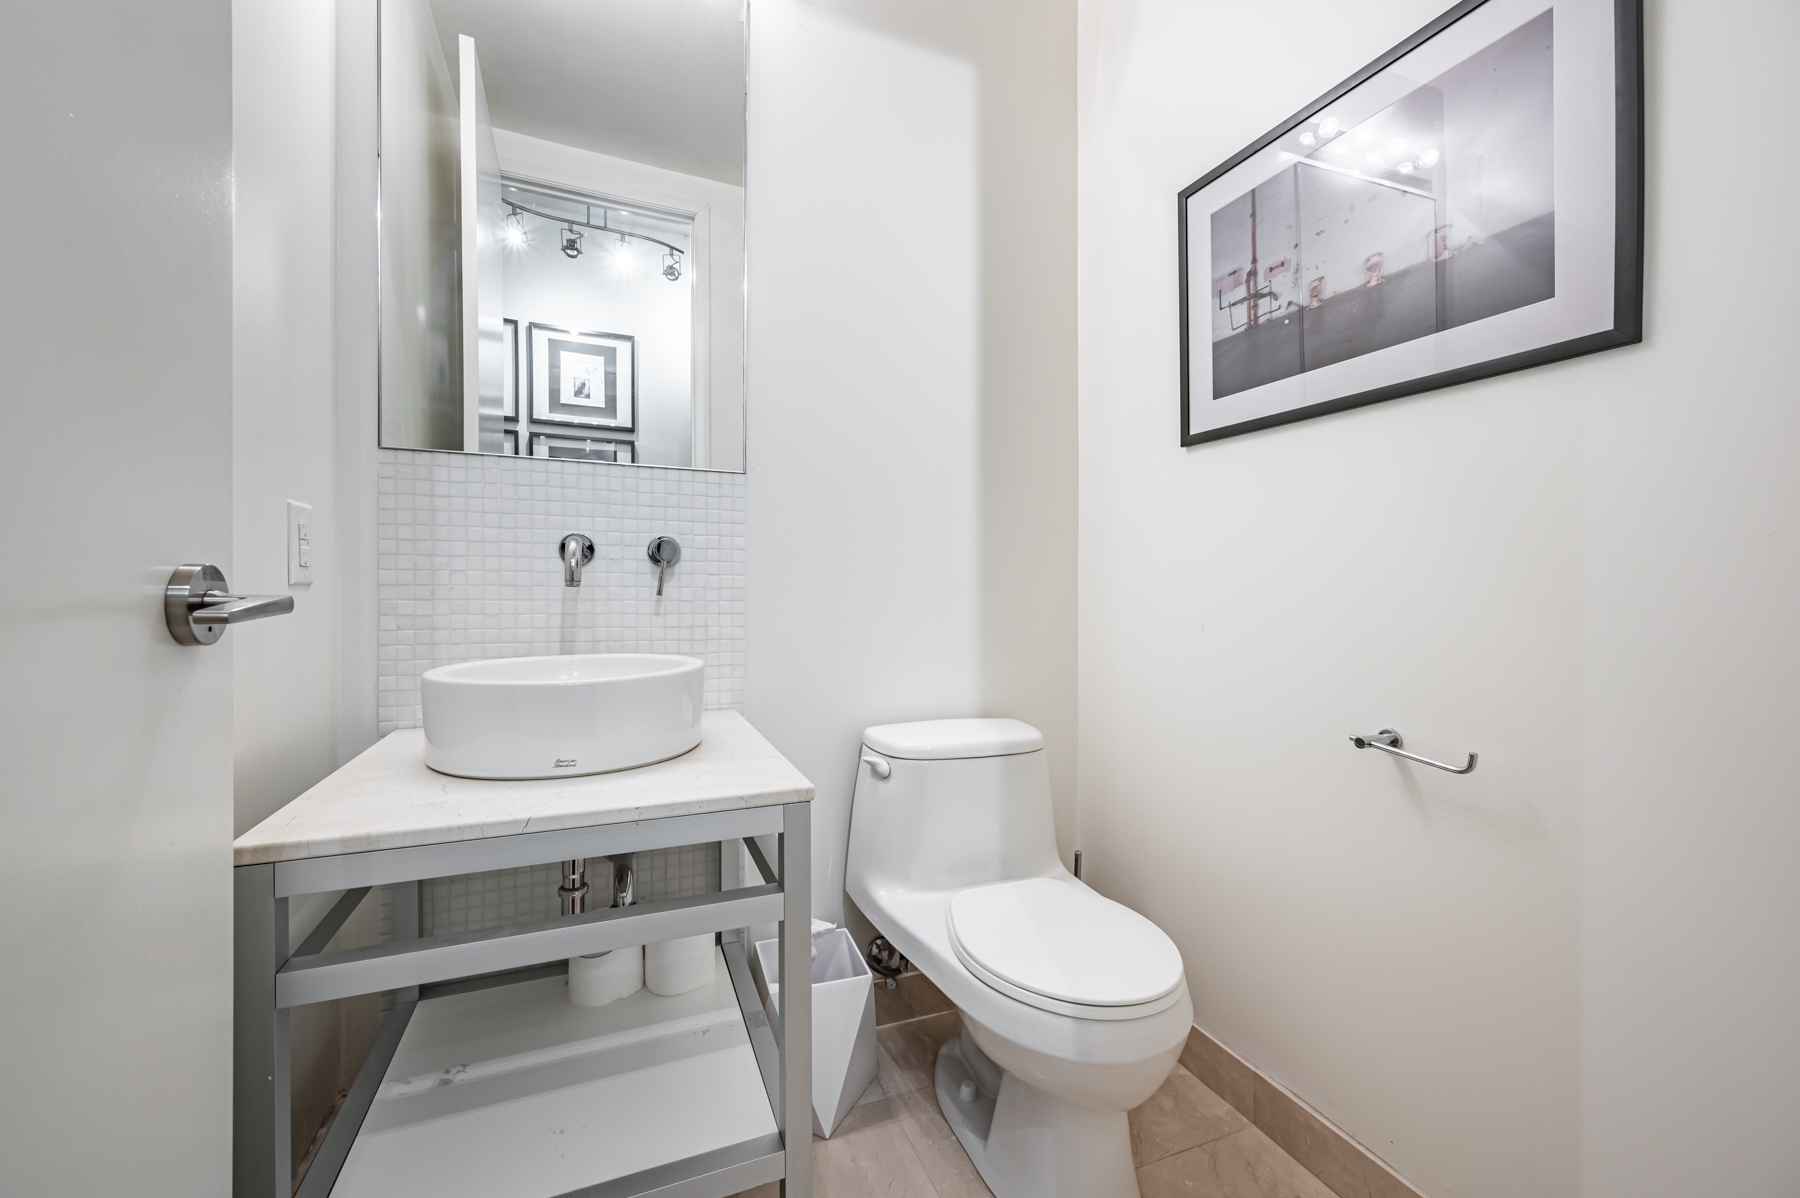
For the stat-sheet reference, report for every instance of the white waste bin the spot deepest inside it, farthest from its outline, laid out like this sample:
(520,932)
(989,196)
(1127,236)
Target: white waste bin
(843,1014)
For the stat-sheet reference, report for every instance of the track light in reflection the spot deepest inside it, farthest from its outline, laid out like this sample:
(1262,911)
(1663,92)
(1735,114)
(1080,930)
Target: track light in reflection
(623,259)
(671,266)
(514,229)
(571,242)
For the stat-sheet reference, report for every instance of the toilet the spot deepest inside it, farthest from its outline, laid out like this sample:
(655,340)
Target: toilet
(1074,1008)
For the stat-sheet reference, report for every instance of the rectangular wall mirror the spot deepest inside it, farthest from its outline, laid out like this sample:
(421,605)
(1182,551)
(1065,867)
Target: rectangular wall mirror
(562,229)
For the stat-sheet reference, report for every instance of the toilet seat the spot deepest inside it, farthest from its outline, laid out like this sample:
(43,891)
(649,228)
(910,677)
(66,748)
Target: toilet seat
(1058,946)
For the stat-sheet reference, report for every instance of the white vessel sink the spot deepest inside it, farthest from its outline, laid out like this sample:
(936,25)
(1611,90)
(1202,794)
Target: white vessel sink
(555,717)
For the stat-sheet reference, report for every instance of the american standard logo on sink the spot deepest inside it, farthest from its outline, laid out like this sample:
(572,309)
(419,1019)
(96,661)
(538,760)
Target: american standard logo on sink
(565,763)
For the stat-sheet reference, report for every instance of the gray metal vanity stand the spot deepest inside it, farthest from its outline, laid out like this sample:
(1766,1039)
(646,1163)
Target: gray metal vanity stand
(271,977)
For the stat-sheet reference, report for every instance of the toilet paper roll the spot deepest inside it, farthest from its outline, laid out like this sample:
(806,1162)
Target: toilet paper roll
(596,981)
(677,966)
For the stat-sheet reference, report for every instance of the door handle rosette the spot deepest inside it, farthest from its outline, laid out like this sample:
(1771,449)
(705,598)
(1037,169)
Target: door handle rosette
(198,604)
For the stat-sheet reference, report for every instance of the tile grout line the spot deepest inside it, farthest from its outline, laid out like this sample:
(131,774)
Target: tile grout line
(1224,1135)
(919,1150)
(915,1019)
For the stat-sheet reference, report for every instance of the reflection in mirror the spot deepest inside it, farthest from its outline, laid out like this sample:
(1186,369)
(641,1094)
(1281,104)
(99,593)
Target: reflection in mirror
(562,229)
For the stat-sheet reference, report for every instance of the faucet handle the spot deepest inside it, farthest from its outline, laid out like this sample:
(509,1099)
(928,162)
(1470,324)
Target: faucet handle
(576,551)
(663,552)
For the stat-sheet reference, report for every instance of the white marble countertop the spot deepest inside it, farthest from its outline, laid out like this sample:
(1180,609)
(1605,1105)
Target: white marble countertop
(388,798)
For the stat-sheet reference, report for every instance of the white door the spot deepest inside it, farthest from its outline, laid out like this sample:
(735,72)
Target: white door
(115,467)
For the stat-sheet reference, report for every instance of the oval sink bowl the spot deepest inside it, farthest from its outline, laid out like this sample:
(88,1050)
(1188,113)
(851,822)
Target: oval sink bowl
(556,717)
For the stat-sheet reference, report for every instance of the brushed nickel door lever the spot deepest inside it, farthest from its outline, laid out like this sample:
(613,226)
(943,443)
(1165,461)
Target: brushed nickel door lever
(198,605)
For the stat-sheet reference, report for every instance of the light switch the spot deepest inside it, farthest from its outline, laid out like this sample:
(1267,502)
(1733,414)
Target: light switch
(299,543)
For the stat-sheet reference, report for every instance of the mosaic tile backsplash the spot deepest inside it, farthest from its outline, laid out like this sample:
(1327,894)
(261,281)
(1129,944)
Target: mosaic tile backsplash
(495,898)
(471,902)
(469,569)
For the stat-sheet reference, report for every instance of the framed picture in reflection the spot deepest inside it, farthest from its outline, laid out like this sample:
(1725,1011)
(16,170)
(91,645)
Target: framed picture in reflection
(509,374)
(1470,203)
(582,449)
(582,378)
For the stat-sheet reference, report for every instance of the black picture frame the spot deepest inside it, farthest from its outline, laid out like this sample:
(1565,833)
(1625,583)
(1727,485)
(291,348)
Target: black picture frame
(1628,226)
(538,404)
(577,447)
(509,385)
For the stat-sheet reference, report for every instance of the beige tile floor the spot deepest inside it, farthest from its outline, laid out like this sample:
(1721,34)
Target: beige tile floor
(1186,1140)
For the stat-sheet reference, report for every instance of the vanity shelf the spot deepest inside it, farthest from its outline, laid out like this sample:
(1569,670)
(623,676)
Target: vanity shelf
(533,1095)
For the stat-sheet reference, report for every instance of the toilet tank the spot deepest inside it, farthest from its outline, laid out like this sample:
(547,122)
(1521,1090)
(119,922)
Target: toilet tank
(965,802)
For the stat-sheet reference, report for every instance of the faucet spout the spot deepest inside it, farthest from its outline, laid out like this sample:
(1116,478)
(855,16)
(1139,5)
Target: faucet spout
(576,551)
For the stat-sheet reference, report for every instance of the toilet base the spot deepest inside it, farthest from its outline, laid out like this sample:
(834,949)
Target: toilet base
(1028,1143)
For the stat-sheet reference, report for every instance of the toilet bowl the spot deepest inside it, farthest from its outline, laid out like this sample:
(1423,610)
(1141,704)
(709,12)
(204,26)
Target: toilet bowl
(1074,1008)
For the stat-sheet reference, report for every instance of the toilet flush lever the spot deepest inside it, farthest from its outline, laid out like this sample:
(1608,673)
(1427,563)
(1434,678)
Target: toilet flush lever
(878,766)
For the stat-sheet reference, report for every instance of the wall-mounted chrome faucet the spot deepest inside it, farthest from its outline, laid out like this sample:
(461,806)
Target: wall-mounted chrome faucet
(575,886)
(577,551)
(624,888)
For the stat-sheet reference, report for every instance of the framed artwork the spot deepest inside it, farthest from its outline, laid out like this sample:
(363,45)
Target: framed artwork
(582,449)
(509,379)
(1468,204)
(583,378)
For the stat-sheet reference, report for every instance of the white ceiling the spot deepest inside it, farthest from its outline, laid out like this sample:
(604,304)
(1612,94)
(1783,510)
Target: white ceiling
(655,81)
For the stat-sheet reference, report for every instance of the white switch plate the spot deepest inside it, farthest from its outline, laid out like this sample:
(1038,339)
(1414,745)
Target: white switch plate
(299,543)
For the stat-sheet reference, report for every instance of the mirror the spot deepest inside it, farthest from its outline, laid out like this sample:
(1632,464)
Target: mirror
(562,229)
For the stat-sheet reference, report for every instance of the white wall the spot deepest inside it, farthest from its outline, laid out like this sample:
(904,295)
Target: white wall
(1571,971)
(357,348)
(911,356)
(1691,534)
(283,430)
(289,710)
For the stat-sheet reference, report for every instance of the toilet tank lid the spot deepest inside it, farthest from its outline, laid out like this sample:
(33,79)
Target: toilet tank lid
(940,740)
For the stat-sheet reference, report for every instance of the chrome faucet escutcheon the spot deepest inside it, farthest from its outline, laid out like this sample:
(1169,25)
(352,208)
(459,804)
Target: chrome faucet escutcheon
(577,551)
